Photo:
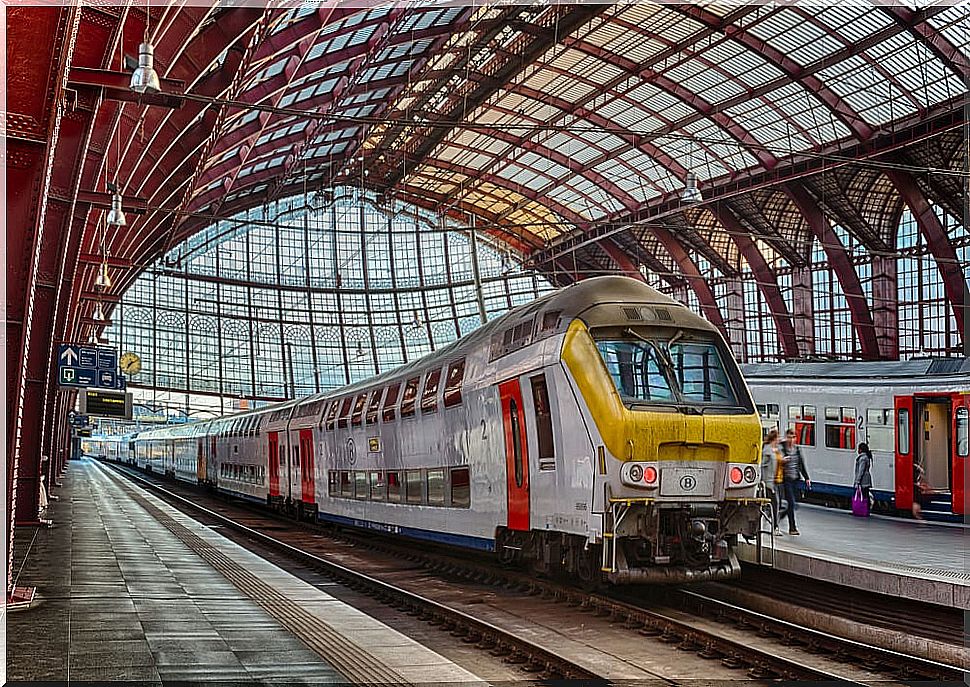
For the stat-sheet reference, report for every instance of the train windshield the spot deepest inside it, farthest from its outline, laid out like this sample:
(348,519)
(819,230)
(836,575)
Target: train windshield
(669,372)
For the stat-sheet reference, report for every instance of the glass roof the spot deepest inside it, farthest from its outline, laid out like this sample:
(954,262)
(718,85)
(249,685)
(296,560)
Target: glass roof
(550,119)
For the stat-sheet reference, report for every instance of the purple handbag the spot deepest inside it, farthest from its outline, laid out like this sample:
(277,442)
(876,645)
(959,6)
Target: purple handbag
(860,504)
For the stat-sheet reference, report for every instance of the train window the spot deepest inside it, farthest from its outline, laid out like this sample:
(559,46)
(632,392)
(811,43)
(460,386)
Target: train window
(902,431)
(540,401)
(436,487)
(377,487)
(963,432)
(390,401)
(460,488)
(801,419)
(840,427)
(636,369)
(394,487)
(550,320)
(358,410)
(769,413)
(879,429)
(429,399)
(332,414)
(346,485)
(456,373)
(516,443)
(413,485)
(344,412)
(410,394)
(361,487)
(372,407)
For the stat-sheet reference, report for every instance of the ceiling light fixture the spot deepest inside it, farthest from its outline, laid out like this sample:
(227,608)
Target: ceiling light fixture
(691,194)
(116,217)
(98,313)
(145,78)
(103,280)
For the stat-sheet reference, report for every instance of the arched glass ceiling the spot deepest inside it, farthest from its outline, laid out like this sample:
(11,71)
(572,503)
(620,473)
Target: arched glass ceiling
(551,117)
(297,298)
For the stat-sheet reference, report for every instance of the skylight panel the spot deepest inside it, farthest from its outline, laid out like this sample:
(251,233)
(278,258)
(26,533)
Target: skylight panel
(624,114)
(953,23)
(572,200)
(852,22)
(808,112)
(663,103)
(917,70)
(710,84)
(525,177)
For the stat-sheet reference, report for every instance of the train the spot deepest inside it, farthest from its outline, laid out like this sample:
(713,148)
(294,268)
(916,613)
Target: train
(603,432)
(913,414)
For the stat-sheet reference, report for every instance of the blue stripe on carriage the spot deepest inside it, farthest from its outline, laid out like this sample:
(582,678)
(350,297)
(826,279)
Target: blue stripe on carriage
(245,497)
(462,540)
(849,492)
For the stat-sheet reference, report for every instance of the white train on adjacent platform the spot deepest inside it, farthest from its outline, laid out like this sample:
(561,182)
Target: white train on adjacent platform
(913,415)
(600,431)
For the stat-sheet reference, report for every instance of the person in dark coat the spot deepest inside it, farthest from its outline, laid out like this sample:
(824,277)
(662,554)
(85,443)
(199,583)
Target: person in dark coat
(863,465)
(794,470)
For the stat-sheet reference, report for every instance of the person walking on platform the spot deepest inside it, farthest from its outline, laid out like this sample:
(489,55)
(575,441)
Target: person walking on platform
(863,464)
(794,469)
(770,470)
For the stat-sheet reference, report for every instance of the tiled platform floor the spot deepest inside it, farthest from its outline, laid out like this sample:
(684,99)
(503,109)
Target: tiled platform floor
(919,560)
(122,598)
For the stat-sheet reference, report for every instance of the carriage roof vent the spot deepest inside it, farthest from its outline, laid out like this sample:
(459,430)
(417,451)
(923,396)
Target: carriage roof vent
(633,313)
(664,314)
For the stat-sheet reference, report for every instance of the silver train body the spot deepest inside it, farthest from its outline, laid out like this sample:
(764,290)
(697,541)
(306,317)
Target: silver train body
(601,432)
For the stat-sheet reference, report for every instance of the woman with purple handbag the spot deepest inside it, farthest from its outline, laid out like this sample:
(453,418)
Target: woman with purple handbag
(863,481)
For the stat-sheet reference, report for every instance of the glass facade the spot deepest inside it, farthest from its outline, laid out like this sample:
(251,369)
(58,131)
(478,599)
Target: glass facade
(292,299)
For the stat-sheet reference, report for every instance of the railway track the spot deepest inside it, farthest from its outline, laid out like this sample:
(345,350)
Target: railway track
(738,638)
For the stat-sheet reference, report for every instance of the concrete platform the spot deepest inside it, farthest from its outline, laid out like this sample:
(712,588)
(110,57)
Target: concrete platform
(919,560)
(131,589)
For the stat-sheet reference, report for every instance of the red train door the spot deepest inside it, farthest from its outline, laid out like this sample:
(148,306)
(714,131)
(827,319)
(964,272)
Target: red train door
(516,454)
(960,438)
(306,465)
(274,463)
(904,451)
(200,464)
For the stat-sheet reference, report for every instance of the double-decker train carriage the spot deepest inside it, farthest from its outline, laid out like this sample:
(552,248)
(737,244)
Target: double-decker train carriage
(603,431)
(914,415)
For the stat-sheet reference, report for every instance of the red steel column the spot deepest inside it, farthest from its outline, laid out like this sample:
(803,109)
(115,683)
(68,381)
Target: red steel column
(936,239)
(885,305)
(843,267)
(694,278)
(803,309)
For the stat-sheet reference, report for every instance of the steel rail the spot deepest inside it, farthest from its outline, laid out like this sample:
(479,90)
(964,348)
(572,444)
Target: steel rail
(497,641)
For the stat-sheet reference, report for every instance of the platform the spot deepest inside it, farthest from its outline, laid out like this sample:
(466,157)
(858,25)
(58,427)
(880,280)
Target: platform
(130,589)
(920,560)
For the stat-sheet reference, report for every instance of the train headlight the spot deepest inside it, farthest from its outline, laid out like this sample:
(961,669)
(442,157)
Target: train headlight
(740,475)
(642,475)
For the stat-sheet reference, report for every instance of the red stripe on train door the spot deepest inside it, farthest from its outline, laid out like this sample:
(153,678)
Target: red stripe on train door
(306,465)
(274,463)
(516,454)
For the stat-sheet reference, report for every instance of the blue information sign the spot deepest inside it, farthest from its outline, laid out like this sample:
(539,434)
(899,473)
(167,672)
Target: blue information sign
(82,366)
(107,358)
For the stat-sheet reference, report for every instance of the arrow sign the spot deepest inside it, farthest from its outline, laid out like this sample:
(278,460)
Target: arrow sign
(68,355)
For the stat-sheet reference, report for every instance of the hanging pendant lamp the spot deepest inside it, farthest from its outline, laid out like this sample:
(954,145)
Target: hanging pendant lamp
(691,194)
(103,280)
(145,78)
(116,217)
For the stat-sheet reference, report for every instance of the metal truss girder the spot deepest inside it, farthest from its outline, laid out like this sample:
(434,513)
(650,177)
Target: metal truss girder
(697,282)
(574,17)
(812,83)
(765,277)
(954,279)
(842,265)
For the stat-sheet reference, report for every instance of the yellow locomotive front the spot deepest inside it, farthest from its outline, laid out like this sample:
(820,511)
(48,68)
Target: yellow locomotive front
(678,446)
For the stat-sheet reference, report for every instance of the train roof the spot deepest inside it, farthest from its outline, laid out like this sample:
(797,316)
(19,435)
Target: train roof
(876,369)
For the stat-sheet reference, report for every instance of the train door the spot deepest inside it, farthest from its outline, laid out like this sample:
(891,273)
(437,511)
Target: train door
(933,444)
(199,462)
(274,463)
(516,454)
(213,456)
(961,449)
(903,406)
(306,465)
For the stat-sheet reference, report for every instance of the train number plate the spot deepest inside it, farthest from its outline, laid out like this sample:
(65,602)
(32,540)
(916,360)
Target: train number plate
(686,482)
